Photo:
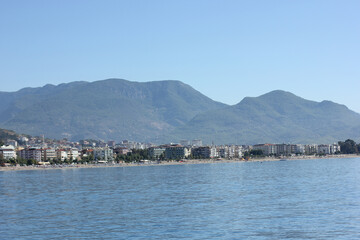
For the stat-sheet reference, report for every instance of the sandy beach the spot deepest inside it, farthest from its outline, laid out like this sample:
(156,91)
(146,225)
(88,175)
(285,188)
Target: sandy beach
(74,166)
(162,163)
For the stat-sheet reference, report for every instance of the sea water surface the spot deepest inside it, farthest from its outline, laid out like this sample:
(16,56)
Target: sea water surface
(300,199)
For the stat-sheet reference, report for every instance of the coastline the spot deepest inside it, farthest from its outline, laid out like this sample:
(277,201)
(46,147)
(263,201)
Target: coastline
(164,163)
(305,157)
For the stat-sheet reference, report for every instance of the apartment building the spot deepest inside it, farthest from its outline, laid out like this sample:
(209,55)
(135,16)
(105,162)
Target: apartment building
(8,152)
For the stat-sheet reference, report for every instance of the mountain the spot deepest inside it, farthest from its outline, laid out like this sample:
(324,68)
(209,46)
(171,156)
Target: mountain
(275,117)
(109,109)
(168,111)
(7,134)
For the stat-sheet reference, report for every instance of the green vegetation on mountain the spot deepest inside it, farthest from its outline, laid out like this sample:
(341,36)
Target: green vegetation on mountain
(275,117)
(110,109)
(7,134)
(168,111)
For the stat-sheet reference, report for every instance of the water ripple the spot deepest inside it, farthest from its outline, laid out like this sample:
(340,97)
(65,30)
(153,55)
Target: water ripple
(313,199)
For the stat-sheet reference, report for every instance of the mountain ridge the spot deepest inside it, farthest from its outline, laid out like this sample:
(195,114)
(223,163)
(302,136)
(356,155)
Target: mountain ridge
(277,116)
(170,110)
(112,108)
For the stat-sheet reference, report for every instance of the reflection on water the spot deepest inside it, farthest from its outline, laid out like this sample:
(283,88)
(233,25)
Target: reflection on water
(317,199)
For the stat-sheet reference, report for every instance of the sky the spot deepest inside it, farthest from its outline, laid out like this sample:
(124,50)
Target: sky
(226,49)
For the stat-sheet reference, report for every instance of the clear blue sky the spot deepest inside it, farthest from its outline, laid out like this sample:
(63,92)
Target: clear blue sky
(225,49)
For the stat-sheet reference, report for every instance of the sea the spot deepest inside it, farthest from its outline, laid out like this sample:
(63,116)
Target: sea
(297,199)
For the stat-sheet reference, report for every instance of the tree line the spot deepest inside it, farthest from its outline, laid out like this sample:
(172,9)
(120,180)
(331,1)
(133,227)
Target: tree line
(16,161)
(134,156)
(349,147)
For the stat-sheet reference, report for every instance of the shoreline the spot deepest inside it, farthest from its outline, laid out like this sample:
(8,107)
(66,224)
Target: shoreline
(165,163)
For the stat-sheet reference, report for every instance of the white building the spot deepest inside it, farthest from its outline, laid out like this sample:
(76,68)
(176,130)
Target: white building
(61,154)
(328,149)
(103,154)
(323,149)
(238,152)
(213,152)
(73,153)
(231,151)
(8,152)
(334,148)
(12,143)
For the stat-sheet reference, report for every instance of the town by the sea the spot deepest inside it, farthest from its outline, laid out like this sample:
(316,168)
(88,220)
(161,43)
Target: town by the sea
(296,199)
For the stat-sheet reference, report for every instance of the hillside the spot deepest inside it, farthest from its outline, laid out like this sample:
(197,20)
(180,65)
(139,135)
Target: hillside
(168,111)
(275,117)
(7,134)
(110,109)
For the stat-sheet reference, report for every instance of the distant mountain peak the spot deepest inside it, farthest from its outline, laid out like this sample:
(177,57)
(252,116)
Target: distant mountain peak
(276,96)
(279,94)
(49,86)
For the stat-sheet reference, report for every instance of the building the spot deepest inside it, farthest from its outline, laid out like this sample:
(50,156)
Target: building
(103,154)
(238,151)
(31,153)
(129,144)
(311,149)
(335,148)
(299,149)
(61,154)
(73,154)
(177,152)
(267,149)
(86,152)
(231,151)
(222,152)
(323,149)
(283,149)
(8,152)
(24,139)
(121,150)
(38,154)
(156,152)
(201,152)
(48,154)
(328,148)
(214,152)
(12,143)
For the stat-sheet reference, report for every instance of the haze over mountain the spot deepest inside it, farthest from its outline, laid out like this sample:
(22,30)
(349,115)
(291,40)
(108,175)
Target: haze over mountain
(164,111)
